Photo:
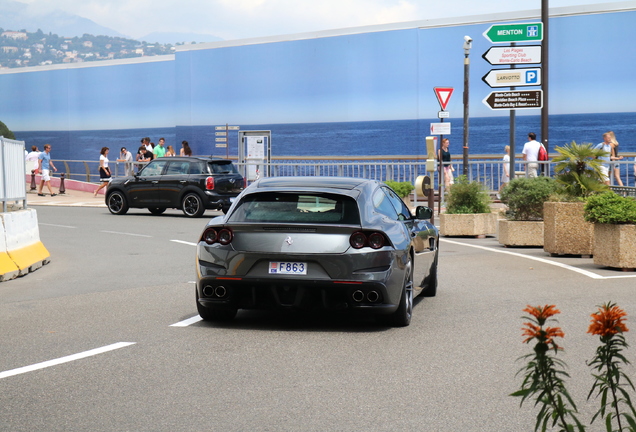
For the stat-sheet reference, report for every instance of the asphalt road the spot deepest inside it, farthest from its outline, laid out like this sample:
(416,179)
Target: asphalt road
(117,284)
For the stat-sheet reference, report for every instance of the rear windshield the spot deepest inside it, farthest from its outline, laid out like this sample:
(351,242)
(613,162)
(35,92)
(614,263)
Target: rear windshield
(278,207)
(222,167)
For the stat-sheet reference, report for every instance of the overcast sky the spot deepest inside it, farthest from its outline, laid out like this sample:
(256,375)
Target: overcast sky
(239,19)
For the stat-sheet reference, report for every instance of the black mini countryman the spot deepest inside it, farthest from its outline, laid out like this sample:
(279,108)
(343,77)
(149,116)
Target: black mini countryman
(192,184)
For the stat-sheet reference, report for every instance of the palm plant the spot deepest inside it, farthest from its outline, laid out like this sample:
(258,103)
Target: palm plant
(578,169)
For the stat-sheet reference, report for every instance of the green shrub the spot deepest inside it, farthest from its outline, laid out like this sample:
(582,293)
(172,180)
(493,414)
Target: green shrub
(402,189)
(578,171)
(525,197)
(610,208)
(467,197)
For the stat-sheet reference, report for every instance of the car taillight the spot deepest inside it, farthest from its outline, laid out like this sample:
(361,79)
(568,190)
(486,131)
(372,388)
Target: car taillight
(210,236)
(376,240)
(357,240)
(209,183)
(373,239)
(223,236)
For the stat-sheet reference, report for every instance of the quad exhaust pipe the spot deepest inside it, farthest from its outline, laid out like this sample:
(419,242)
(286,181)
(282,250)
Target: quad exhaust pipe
(218,292)
(357,296)
(372,296)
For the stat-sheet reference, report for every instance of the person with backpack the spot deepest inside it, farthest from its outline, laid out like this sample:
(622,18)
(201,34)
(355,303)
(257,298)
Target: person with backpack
(531,155)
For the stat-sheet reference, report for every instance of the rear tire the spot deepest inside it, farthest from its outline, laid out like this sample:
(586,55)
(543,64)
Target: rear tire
(157,210)
(431,281)
(402,316)
(116,202)
(214,314)
(192,205)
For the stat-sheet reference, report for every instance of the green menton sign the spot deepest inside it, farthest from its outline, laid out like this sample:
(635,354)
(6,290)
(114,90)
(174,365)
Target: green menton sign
(503,33)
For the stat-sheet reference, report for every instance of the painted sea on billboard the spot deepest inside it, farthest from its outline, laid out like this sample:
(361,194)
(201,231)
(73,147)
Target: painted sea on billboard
(488,135)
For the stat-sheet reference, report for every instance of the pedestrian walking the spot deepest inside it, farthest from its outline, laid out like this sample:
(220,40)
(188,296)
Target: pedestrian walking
(104,170)
(616,168)
(44,167)
(531,155)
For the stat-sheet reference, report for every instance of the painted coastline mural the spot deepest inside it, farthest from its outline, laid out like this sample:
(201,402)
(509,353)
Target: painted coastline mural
(366,91)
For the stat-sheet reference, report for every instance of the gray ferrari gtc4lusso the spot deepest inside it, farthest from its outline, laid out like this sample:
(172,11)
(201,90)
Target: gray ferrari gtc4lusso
(317,242)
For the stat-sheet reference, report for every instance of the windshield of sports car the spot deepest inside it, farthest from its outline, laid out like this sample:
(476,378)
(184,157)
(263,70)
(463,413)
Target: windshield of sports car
(292,207)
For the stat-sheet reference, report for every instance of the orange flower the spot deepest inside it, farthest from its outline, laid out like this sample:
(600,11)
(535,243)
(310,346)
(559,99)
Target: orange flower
(551,333)
(542,313)
(608,320)
(532,331)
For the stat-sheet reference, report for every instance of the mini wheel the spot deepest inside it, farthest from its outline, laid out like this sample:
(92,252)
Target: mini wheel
(116,202)
(192,205)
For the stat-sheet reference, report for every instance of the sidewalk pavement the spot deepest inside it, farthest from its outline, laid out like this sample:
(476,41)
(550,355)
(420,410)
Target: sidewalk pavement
(71,198)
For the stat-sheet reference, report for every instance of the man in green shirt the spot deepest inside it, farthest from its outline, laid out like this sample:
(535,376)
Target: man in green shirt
(160,150)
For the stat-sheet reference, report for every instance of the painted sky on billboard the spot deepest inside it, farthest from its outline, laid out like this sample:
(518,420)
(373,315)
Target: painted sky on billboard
(383,75)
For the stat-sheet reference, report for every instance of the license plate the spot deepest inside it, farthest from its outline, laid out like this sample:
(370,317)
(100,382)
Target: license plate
(288,268)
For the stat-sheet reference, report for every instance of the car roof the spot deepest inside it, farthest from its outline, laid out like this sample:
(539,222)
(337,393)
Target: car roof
(313,183)
(190,158)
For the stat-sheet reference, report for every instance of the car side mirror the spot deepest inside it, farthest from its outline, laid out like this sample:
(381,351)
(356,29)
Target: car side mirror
(423,212)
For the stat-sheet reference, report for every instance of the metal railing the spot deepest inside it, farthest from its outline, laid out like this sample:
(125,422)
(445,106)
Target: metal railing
(487,169)
(12,185)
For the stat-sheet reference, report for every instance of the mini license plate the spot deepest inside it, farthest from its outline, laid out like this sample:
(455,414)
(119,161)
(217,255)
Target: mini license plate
(287,268)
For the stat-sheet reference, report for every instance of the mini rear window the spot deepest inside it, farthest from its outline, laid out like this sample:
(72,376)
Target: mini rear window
(222,167)
(277,207)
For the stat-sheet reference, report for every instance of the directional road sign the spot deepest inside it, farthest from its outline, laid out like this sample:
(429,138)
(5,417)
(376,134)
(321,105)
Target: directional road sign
(221,139)
(502,33)
(524,99)
(513,77)
(443,95)
(507,55)
(441,128)
(227,127)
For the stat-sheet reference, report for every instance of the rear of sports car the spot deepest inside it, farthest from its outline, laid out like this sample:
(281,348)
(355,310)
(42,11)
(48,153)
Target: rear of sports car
(296,250)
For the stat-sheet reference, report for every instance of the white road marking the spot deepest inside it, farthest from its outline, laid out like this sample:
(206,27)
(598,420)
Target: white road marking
(543,260)
(66,359)
(184,242)
(57,226)
(128,234)
(189,321)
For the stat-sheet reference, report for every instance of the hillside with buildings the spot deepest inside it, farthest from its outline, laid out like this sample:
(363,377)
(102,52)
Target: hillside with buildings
(22,48)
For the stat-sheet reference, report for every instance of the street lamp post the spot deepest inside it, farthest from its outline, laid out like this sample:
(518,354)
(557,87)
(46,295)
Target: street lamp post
(468,43)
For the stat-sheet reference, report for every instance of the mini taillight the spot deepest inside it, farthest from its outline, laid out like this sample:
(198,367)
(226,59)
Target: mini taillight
(357,240)
(225,236)
(209,183)
(210,236)
(376,240)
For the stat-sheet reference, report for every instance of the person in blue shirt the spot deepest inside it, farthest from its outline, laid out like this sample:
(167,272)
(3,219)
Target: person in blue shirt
(44,168)
(606,146)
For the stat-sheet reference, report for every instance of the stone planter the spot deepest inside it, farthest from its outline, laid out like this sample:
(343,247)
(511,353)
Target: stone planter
(565,231)
(615,246)
(520,233)
(478,224)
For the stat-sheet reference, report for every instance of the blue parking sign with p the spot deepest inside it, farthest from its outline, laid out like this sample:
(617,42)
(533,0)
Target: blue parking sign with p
(532,77)
(533,31)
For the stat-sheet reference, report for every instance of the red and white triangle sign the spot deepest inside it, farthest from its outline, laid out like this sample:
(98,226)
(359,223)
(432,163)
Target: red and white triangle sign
(443,95)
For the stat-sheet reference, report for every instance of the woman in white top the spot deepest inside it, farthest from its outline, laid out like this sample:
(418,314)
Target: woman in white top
(104,171)
(505,177)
